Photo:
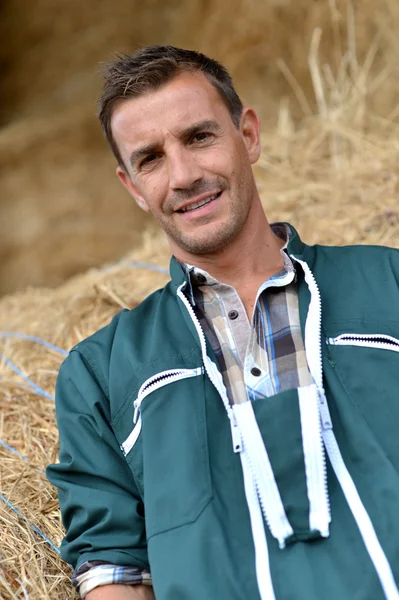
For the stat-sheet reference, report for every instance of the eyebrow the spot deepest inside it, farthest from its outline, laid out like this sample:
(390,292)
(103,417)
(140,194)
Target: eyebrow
(209,125)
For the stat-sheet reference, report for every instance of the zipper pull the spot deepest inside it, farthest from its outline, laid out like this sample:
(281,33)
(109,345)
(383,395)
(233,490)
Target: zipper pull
(324,411)
(136,405)
(235,434)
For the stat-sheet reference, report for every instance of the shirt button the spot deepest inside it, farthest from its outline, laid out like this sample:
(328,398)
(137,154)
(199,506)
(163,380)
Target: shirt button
(256,372)
(233,314)
(201,278)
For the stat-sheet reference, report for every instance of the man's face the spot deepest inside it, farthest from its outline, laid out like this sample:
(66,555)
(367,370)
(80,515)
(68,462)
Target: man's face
(187,162)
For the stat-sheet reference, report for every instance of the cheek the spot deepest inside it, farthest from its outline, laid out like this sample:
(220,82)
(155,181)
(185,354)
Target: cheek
(153,188)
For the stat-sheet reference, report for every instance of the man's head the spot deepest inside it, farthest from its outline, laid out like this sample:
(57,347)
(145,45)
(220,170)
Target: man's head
(184,148)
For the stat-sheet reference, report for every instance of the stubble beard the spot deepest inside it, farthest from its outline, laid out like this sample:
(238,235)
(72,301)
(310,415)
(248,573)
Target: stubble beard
(212,241)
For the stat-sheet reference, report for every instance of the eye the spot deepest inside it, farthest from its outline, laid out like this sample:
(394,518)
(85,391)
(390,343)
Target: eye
(148,160)
(201,136)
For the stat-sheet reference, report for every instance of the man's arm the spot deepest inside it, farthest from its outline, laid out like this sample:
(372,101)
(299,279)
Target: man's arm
(100,504)
(121,592)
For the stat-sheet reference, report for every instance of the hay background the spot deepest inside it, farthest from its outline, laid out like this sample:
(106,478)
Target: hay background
(329,165)
(61,207)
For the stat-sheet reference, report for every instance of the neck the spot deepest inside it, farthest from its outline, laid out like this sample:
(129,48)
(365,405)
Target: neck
(253,257)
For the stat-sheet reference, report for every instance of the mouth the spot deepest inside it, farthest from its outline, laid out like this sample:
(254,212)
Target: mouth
(200,204)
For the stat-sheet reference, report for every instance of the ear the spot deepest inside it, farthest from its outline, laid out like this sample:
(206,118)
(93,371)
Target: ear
(250,131)
(128,184)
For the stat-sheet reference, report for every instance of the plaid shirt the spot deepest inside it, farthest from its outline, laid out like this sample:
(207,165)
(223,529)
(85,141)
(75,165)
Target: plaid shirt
(257,359)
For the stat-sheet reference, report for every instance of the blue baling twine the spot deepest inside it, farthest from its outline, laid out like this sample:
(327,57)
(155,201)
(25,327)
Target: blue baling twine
(33,338)
(13,450)
(38,390)
(31,525)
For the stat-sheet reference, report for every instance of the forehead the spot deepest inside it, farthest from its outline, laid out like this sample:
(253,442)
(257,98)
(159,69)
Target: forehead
(187,98)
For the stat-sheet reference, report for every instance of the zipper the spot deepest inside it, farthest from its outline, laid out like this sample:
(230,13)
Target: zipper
(262,474)
(213,373)
(316,467)
(160,380)
(314,457)
(150,385)
(375,340)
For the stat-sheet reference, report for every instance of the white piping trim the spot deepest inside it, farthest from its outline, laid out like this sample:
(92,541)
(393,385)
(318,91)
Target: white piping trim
(361,517)
(262,566)
(315,466)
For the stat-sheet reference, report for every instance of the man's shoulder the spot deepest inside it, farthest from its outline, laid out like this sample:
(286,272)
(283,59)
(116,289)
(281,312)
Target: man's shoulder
(133,324)
(357,282)
(357,258)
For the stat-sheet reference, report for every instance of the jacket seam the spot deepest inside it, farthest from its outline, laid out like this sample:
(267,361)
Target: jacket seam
(88,358)
(190,522)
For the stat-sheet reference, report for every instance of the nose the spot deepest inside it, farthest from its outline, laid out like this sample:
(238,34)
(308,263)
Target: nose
(184,169)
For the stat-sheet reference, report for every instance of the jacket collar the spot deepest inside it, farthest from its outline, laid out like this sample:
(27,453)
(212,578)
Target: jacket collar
(295,244)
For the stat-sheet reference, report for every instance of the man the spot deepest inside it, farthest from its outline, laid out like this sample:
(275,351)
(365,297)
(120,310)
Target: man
(235,436)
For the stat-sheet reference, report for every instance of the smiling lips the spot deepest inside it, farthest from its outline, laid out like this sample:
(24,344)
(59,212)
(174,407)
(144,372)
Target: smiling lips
(199,204)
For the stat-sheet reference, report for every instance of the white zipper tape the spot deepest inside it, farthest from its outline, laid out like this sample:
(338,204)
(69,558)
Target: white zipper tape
(262,565)
(132,439)
(375,340)
(315,462)
(158,381)
(262,473)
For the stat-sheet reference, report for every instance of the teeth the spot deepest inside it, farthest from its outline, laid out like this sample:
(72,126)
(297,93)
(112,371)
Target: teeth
(198,204)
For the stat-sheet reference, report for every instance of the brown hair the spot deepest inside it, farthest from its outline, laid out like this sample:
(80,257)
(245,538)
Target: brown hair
(149,69)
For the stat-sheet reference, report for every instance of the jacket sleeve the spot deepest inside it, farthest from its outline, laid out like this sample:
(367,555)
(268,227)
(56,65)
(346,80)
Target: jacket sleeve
(101,507)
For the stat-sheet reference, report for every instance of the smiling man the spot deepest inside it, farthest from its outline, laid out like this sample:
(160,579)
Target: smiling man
(234,437)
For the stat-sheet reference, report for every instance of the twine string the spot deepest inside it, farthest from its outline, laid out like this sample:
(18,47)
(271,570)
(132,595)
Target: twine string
(36,389)
(31,525)
(33,338)
(13,450)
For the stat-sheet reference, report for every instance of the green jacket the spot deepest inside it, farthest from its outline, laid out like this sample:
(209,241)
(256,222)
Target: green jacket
(156,470)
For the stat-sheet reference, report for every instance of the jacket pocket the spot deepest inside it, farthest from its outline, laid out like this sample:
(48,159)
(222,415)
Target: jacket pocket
(367,365)
(175,473)
(149,386)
